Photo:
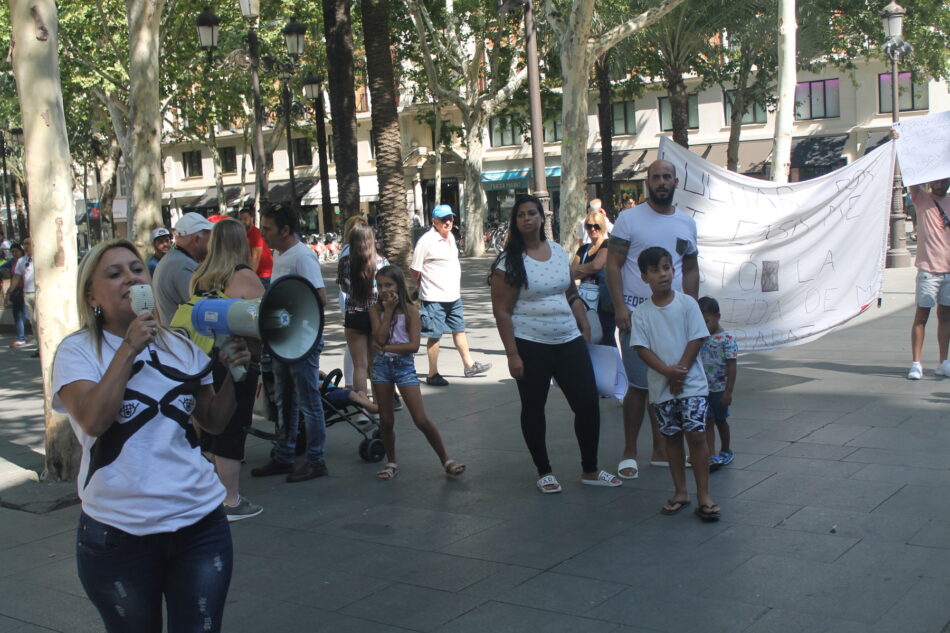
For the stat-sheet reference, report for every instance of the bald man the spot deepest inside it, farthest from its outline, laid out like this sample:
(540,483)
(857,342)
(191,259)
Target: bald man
(655,222)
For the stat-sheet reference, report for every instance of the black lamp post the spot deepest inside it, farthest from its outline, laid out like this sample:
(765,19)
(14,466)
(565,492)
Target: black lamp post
(295,35)
(896,50)
(207,23)
(313,89)
(250,9)
(6,181)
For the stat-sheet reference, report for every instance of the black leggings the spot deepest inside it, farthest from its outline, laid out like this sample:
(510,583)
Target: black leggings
(569,364)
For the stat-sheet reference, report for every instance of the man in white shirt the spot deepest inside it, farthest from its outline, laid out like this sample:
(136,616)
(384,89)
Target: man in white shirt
(296,385)
(656,222)
(436,270)
(25,274)
(171,282)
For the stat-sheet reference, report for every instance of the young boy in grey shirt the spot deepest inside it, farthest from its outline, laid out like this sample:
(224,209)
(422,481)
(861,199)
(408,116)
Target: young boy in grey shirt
(667,332)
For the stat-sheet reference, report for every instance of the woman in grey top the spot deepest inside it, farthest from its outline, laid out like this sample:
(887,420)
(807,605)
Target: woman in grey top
(543,327)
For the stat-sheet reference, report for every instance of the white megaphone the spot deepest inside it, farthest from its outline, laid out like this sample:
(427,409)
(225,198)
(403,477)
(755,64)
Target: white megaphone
(288,320)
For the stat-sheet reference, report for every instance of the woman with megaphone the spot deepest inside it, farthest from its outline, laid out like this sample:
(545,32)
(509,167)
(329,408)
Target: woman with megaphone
(226,273)
(152,520)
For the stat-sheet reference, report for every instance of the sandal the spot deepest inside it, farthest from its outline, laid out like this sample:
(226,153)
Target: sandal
(707,513)
(453,468)
(388,472)
(549,480)
(678,505)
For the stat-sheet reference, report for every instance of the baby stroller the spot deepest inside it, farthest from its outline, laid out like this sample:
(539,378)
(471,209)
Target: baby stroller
(336,408)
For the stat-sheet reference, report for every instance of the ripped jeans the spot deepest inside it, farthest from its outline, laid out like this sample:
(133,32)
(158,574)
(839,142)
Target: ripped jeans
(125,576)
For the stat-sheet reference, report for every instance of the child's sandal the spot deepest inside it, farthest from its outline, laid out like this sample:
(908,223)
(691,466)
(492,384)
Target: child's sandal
(388,472)
(453,468)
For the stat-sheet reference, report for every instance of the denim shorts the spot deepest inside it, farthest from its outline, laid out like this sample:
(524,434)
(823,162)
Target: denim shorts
(397,370)
(716,410)
(439,317)
(635,367)
(932,289)
(681,414)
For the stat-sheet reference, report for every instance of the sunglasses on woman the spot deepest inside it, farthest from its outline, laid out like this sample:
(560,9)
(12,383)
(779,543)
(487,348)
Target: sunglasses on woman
(591,227)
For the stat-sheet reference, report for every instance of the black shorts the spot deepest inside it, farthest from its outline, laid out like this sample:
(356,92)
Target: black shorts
(358,320)
(230,442)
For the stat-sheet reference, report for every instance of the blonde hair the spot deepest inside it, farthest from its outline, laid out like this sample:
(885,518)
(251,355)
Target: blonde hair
(351,221)
(598,217)
(227,249)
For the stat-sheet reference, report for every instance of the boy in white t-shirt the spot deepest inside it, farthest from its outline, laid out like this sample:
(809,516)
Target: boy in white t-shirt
(667,332)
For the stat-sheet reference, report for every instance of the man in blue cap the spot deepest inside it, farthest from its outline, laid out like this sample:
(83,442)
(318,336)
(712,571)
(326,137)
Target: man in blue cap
(436,270)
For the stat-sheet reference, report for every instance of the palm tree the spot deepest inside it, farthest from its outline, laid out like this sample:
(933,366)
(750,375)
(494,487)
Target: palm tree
(386,136)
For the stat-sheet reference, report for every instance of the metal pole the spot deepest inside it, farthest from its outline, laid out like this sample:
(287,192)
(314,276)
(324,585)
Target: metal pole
(260,160)
(290,149)
(326,213)
(537,125)
(897,255)
(6,183)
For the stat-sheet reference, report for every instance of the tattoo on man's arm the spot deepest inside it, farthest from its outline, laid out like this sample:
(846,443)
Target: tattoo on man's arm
(618,245)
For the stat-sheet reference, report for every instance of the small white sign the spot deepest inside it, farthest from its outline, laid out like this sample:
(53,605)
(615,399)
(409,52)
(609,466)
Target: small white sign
(923,148)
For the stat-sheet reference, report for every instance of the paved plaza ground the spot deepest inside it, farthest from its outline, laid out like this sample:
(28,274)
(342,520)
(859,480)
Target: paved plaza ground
(835,511)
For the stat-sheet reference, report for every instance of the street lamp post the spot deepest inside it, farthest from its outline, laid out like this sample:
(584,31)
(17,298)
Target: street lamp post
(250,9)
(294,37)
(6,181)
(896,50)
(313,89)
(207,23)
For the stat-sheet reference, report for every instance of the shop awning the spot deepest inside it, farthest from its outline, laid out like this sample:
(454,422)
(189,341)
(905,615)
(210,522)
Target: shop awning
(875,140)
(627,164)
(369,192)
(233,196)
(818,151)
(279,192)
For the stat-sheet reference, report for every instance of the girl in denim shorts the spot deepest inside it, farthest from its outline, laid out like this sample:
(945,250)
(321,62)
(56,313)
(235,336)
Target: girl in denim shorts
(396,333)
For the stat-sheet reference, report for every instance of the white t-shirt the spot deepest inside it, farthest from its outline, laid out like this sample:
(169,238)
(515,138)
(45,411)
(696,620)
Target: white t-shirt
(298,260)
(436,258)
(27,271)
(643,227)
(541,313)
(665,331)
(145,474)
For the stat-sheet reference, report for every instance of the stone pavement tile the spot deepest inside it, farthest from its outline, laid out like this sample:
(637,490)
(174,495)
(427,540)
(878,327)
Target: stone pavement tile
(24,558)
(923,609)
(927,423)
(934,457)
(408,527)
(500,582)
(811,467)
(562,593)
(412,607)
(17,528)
(897,558)
(676,612)
(812,587)
(248,612)
(812,450)
(26,628)
(745,410)
(508,618)
(319,549)
(904,475)
(836,434)
(933,534)
(729,481)
(60,574)
(918,501)
(748,512)
(791,430)
(433,570)
(902,439)
(845,494)
(788,621)
(785,543)
(854,525)
(757,445)
(879,413)
(837,400)
(45,607)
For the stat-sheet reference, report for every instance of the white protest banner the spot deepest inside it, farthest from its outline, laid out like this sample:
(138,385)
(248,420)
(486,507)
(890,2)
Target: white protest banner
(787,262)
(923,148)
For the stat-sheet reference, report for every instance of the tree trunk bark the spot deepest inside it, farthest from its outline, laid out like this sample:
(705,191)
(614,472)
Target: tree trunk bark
(326,210)
(218,179)
(389,172)
(679,106)
(339,38)
(50,180)
(787,74)
(437,166)
(145,118)
(474,199)
(575,70)
(20,204)
(605,120)
(110,184)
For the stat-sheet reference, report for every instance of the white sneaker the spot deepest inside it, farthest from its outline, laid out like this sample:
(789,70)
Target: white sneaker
(943,369)
(917,371)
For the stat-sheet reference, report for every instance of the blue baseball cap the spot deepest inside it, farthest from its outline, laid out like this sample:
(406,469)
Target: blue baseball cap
(442,211)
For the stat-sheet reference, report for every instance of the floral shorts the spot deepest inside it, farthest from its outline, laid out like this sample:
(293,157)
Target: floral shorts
(681,414)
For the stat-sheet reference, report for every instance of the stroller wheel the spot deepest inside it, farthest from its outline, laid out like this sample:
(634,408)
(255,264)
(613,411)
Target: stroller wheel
(376,434)
(376,450)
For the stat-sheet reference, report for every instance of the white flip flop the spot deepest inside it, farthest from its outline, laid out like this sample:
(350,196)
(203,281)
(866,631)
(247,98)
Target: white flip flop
(549,480)
(603,479)
(628,463)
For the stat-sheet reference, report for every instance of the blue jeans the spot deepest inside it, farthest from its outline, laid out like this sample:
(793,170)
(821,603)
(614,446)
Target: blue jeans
(297,388)
(19,320)
(125,576)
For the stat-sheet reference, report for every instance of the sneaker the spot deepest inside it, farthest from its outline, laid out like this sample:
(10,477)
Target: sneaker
(272,467)
(725,457)
(715,463)
(243,510)
(17,344)
(476,369)
(308,471)
(943,369)
(436,380)
(916,372)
